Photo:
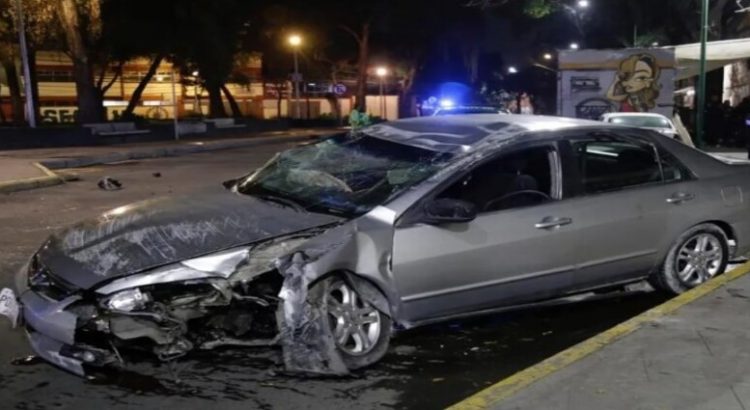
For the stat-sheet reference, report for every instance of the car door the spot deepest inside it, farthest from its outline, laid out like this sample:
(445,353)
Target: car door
(522,251)
(618,187)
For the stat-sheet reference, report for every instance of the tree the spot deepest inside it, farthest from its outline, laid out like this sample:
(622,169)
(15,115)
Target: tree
(8,58)
(80,21)
(210,34)
(154,39)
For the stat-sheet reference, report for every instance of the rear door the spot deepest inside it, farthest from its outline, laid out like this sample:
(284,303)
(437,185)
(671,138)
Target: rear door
(521,246)
(618,188)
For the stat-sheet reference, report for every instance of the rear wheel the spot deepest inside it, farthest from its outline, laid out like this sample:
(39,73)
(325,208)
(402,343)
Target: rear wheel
(697,256)
(361,332)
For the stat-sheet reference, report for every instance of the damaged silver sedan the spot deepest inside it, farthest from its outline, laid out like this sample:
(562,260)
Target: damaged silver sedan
(331,246)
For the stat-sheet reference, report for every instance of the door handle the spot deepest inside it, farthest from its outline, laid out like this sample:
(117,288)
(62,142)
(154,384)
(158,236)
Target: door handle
(550,223)
(680,197)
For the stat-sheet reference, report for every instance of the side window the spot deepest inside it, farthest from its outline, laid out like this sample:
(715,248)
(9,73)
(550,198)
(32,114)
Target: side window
(519,179)
(610,165)
(674,171)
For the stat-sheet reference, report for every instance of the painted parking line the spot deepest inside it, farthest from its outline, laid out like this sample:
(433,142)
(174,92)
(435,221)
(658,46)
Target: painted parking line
(493,395)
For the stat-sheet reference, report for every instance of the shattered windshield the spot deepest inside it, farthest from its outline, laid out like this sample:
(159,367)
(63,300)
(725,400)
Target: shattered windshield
(345,174)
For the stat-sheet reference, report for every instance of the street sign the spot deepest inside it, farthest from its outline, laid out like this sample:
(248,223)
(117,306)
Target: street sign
(339,89)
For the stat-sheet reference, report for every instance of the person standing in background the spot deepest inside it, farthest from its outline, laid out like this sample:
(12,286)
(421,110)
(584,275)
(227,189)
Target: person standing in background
(525,104)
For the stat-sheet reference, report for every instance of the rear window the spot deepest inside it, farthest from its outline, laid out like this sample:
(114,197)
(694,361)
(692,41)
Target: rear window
(641,121)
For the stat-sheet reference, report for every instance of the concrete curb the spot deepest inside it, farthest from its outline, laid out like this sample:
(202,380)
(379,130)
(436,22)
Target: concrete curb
(494,395)
(25,184)
(190,148)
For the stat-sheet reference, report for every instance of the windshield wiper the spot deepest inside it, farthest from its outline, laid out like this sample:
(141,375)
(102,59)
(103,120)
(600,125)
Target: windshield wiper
(283,201)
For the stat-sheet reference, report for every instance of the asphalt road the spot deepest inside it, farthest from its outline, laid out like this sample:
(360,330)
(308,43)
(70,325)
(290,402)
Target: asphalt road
(426,368)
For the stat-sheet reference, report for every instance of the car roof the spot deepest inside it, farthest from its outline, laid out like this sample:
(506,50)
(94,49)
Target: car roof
(459,133)
(634,114)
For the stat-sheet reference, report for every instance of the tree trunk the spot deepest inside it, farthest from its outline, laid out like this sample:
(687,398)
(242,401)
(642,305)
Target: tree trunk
(406,107)
(2,112)
(138,92)
(362,66)
(14,86)
(215,104)
(34,86)
(89,98)
(236,111)
(279,96)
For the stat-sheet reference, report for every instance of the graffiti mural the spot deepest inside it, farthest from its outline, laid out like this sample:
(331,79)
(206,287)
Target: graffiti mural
(636,84)
(594,82)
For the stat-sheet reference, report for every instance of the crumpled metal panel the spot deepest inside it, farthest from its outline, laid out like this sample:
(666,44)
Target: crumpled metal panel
(360,248)
(154,233)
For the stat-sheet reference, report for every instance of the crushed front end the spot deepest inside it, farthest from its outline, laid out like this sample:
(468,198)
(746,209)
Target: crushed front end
(228,298)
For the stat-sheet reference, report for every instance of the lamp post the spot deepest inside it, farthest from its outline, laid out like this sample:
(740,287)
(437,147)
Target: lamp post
(577,11)
(700,109)
(26,69)
(296,41)
(381,72)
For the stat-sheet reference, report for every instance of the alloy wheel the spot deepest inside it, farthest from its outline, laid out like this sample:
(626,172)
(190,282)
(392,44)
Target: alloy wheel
(356,324)
(699,259)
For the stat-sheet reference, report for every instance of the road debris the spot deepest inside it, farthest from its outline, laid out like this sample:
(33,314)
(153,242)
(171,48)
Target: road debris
(109,184)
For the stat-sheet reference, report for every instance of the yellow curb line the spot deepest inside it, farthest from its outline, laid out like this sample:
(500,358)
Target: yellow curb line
(47,171)
(493,395)
(50,179)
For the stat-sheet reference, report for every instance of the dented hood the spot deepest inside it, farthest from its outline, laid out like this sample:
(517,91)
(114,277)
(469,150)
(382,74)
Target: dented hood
(148,234)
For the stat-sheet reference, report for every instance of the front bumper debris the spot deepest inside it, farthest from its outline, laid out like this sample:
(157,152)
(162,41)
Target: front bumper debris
(9,306)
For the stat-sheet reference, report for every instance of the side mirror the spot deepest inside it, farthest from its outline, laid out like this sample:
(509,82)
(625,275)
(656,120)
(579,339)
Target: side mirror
(231,183)
(446,210)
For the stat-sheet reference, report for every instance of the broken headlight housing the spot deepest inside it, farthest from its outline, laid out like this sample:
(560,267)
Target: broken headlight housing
(127,300)
(124,294)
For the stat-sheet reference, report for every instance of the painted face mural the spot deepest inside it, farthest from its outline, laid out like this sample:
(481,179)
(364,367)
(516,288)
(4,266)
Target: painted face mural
(636,84)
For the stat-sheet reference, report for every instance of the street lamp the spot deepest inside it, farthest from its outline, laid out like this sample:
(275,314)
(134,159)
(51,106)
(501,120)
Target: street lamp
(381,72)
(699,112)
(547,56)
(583,4)
(296,41)
(574,46)
(30,112)
(512,70)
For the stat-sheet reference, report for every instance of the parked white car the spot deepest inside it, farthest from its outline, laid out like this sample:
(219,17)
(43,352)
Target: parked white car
(651,121)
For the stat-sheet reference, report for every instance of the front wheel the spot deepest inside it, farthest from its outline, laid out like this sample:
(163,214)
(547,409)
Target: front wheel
(361,332)
(697,256)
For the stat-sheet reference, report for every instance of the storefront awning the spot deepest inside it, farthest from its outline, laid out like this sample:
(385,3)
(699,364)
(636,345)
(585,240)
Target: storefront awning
(718,54)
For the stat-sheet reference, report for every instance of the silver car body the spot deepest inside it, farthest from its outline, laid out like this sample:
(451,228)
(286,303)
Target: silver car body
(430,272)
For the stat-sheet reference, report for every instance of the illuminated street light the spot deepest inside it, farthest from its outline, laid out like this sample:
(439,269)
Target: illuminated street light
(512,70)
(655,44)
(195,73)
(583,4)
(296,41)
(547,56)
(574,46)
(381,71)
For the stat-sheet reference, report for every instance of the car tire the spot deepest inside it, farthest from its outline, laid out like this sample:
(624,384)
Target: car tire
(361,332)
(698,255)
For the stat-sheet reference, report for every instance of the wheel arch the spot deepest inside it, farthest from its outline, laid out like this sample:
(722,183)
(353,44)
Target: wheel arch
(364,286)
(729,232)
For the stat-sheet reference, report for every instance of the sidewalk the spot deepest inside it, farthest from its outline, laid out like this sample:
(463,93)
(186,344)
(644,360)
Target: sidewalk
(20,169)
(692,352)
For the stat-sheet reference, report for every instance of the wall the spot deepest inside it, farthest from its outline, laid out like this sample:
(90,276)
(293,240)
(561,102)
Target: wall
(736,82)
(593,82)
(375,106)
